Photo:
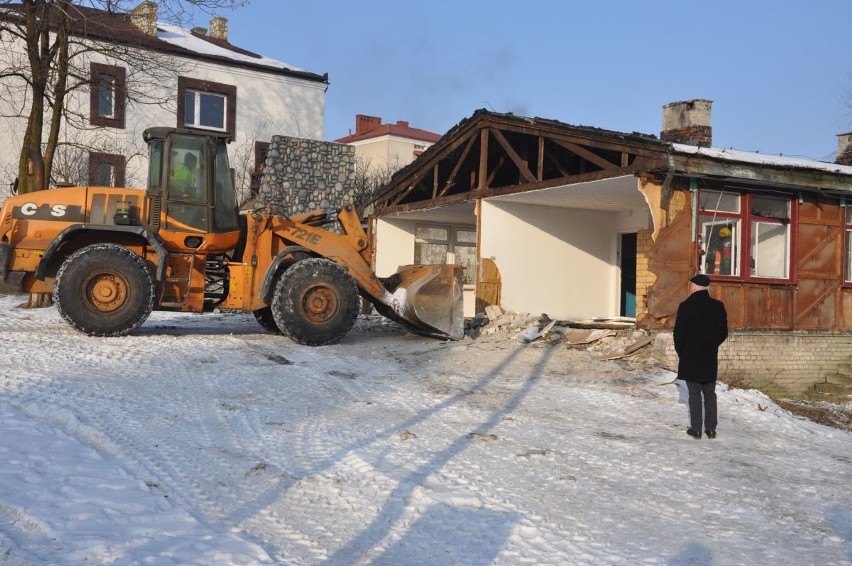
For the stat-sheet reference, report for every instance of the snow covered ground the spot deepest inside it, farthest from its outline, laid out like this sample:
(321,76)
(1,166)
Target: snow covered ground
(204,440)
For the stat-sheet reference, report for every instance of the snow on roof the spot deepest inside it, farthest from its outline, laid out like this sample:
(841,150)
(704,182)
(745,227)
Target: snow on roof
(184,38)
(762,158)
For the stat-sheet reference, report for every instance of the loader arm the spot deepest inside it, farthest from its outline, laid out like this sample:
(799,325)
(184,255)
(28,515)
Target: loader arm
(351,250)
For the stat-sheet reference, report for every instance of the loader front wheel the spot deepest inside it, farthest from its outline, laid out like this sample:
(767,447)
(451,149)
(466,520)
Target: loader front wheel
(104,290)
(316,302)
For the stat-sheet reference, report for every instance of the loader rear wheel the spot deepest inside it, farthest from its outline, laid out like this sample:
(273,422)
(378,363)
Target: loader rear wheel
(316,302)
(266,320)
(104,290)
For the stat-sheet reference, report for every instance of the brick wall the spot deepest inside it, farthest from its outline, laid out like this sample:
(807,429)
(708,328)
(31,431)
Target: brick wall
(779,364)
(302,175)
(696,135)
(644,278)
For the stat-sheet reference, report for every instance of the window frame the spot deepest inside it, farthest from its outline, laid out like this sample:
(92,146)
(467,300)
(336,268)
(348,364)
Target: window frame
(745,219)
(118,162)
(96,73)
(452,241)
(228,91)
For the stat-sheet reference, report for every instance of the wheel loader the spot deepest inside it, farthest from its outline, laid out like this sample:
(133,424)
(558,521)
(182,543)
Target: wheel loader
(110,256)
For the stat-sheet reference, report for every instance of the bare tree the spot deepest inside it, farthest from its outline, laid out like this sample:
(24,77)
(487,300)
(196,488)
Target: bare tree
(71,160)
(45,50)
(243,156)
(370,179)
(46,46)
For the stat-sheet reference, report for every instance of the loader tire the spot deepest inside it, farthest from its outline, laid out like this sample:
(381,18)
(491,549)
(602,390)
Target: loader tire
(266,320)
(104,290)
(315,302)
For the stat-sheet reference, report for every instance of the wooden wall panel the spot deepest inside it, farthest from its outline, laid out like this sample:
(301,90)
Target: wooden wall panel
(844,322)
(768,308)
(815,301)
(819,257)
(732,296)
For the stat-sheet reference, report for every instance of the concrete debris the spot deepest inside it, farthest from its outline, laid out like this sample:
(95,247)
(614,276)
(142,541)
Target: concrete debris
(578,336)
(638,344)
(493,311)
(606,338)
(536,331)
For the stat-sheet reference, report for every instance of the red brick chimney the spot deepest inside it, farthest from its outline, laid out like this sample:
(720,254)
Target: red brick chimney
(364,124)
(402,123)
(844,149)
(688,122)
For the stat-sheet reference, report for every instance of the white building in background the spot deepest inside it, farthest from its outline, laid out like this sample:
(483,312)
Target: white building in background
(200,80)
(387,146)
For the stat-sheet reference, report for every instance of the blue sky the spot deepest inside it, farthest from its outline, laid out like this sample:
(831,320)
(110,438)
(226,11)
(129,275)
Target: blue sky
(776,71)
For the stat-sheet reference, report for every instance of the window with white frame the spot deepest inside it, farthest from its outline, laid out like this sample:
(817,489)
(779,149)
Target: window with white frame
(434,243)
(745,235)
(205,109)
(206,105)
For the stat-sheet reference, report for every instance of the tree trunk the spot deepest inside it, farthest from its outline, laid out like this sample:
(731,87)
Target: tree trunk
(60,84)
(40,57)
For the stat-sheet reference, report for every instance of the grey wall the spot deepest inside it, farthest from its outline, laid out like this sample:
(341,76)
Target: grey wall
(303,175)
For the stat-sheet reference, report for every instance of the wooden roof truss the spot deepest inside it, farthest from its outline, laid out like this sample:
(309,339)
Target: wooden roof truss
(498,157)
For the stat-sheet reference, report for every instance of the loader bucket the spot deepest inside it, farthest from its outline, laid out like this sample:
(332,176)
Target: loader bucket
(427,299)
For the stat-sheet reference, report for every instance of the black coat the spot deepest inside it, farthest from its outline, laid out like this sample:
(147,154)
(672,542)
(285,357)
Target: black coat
(700,328)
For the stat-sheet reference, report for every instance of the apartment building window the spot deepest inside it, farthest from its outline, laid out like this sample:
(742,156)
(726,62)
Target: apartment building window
(443,244)
(745,236)
(107,95)
(206,105)
(106,169)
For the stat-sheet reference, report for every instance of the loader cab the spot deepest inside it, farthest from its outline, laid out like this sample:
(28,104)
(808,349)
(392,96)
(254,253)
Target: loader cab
(190,183)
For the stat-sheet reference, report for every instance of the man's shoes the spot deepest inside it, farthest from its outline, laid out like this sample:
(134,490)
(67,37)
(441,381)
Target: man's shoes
(711,433)
(694,433)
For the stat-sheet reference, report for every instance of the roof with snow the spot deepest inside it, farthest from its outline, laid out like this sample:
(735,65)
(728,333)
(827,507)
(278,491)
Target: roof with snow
(119,28)
(762,159)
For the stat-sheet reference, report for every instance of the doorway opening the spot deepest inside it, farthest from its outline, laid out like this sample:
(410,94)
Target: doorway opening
(627,248)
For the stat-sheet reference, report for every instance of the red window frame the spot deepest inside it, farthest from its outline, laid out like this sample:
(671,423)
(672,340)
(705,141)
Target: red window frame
(746,217)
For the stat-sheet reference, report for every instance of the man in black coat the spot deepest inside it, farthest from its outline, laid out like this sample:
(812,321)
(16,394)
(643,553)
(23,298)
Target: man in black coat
(700,328)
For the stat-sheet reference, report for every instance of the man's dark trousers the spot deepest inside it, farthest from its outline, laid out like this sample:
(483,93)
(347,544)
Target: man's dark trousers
(697,391)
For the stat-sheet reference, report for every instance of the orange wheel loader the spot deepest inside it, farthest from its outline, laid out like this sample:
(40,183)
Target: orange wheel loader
(112,255)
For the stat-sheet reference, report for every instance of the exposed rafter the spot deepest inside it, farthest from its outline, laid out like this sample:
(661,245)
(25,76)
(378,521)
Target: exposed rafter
(497,154)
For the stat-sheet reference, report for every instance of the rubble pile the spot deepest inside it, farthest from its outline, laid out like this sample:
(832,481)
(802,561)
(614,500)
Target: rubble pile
(607,338)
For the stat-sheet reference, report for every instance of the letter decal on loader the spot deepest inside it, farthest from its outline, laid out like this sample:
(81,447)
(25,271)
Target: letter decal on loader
(306,236)
(64,212)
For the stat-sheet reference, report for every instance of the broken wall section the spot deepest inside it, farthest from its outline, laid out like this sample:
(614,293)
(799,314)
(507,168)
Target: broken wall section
(302,175)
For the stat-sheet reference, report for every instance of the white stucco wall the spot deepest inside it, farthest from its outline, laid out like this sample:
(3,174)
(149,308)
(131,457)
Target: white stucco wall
(633,220)
(558,261)
(395,245)
(393,152)
(267,104)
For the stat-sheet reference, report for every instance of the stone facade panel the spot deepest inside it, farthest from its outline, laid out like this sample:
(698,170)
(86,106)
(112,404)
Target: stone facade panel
(302,175)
